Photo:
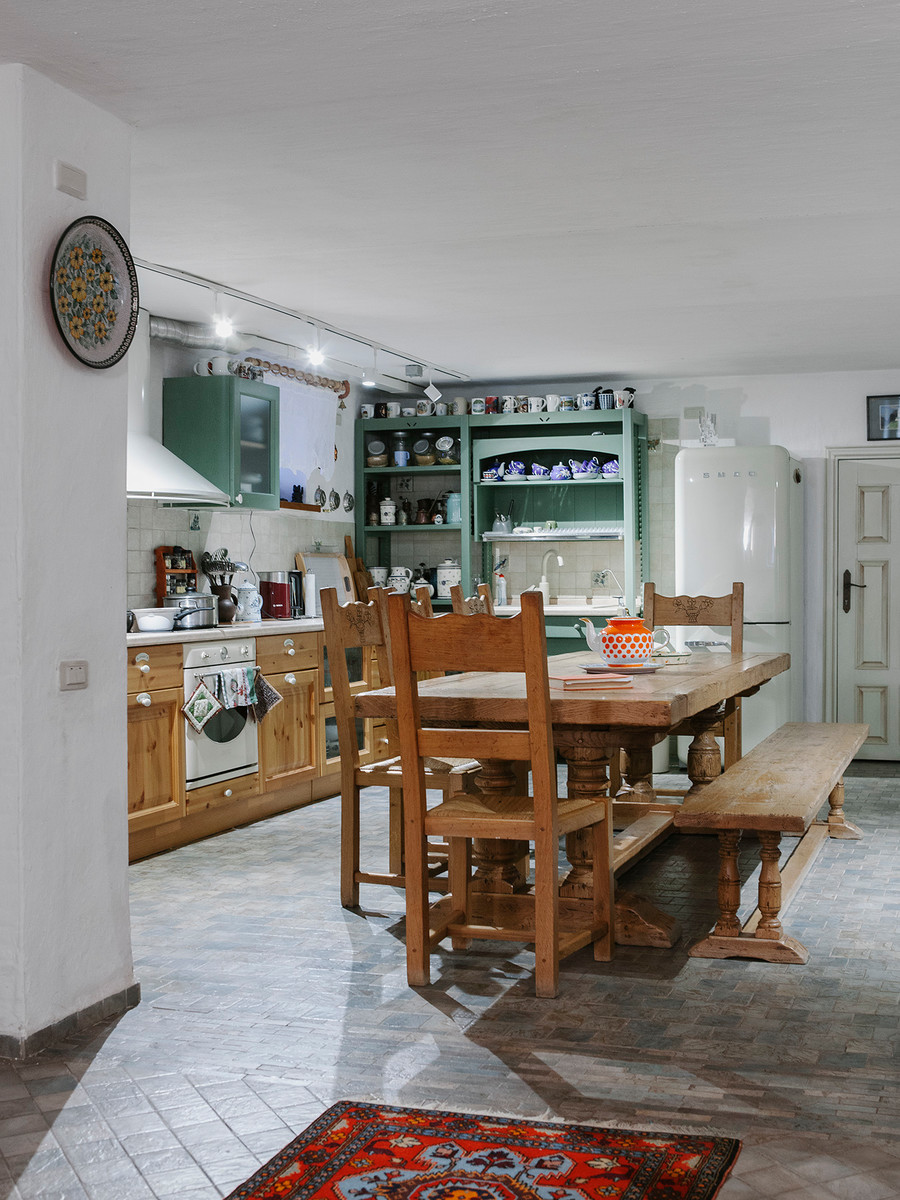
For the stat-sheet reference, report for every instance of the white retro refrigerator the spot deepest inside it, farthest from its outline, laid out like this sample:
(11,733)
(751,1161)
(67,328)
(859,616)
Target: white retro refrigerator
(739,516)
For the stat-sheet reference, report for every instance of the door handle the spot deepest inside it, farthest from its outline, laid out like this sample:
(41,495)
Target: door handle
(848,584)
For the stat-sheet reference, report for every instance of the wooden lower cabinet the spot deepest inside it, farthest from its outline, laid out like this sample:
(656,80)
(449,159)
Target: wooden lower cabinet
(298,754)
(155,757)
(287,737)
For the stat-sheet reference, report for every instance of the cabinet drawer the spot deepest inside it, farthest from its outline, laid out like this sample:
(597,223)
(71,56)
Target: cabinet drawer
(152,667)
(229,791)
(286,652)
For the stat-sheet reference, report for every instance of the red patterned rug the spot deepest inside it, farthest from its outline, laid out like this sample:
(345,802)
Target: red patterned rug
(374,1152)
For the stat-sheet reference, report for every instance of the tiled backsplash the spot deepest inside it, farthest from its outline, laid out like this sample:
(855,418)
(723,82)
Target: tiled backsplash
(267,541)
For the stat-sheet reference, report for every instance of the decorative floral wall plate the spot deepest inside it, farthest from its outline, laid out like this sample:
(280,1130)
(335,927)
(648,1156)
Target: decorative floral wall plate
(94,292)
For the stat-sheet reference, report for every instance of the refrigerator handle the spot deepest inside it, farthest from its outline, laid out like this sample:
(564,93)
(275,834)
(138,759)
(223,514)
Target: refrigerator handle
(847,586)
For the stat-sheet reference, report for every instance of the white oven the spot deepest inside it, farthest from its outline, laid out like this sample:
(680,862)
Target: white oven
(227,744)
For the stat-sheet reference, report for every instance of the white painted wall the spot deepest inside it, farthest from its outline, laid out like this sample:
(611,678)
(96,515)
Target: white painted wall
(64,923)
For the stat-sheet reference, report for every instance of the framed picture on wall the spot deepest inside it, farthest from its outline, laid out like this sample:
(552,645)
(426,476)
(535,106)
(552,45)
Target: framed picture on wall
(884,417)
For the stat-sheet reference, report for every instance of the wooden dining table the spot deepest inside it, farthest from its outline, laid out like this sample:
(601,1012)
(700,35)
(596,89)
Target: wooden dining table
(589,727)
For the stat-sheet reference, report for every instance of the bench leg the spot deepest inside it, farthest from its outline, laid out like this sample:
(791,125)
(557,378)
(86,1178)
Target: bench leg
(769,887)
(768,943)
(728,924)
(838,825)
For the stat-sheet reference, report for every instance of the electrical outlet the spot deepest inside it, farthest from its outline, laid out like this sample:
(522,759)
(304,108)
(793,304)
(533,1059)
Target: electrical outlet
(597,578)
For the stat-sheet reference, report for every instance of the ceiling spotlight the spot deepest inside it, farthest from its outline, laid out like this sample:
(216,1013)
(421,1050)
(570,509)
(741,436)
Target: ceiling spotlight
(314,354)
(366,381)
(223,327)
(432,393)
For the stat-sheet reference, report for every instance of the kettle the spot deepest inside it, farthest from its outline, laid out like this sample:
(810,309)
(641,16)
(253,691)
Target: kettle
(502,523)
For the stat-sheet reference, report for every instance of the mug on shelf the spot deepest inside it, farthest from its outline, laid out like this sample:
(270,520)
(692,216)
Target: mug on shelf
(585,400)
(508,404)
(460,406)
(552,403)
(536,403)
(425,408)
(367,410)
(567,404)
(393,408)
(479,405)
(441,408)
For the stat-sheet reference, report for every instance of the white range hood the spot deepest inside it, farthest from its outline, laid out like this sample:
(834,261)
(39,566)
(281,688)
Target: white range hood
(153,472)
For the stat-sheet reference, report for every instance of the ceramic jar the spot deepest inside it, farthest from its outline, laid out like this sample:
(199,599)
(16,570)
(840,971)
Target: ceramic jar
(448,573)
(625,642)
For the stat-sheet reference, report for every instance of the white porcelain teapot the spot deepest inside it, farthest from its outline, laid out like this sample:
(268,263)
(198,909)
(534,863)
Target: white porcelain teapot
(399,579)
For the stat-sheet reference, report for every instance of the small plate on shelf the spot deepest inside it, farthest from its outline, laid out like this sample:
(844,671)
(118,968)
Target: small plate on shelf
(538,478)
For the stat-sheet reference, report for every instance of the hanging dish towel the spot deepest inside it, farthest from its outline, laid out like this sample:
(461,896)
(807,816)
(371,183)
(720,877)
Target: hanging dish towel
(266,696)
(233,686)
(201,707)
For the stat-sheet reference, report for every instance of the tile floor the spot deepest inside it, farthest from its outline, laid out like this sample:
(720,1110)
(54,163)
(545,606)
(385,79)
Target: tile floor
(264,1002)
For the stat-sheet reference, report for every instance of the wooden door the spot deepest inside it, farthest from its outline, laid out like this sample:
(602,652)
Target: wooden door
(868,592)
(155,757)
(287,735)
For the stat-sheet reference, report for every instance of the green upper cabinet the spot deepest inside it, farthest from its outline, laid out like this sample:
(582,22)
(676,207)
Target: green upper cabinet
(227,429)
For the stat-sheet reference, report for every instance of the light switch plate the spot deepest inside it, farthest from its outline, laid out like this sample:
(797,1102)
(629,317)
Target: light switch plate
(73,675)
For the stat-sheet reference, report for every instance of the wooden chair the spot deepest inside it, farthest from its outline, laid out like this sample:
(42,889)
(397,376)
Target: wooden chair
(359,624)
(468,606)
(503,644)
(705,610)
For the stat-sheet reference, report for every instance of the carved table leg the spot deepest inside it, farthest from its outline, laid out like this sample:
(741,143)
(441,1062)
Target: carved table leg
(637,773)
(638,921)
(838,825)
(704,762)
(586,777)
(497,862)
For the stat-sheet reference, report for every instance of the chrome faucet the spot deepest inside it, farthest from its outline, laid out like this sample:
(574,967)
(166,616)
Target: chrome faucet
(544,587)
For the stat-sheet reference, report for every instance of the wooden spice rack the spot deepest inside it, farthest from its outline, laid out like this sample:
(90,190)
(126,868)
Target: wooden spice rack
(172,580)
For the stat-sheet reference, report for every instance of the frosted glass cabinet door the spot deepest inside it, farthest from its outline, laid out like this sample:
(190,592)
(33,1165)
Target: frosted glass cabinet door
(254,463)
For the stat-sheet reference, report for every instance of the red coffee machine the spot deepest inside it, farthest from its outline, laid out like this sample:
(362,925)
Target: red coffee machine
(275,589)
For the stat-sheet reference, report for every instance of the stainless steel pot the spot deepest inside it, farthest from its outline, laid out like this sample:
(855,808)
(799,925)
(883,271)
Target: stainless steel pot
(201,610)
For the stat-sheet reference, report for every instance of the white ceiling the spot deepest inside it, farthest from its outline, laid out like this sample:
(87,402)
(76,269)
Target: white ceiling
(517,187)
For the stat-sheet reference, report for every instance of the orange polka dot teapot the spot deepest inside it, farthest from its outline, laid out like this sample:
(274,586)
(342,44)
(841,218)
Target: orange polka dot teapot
(624,642)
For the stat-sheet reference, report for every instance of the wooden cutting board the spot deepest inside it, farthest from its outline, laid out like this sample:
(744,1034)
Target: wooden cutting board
(330,570)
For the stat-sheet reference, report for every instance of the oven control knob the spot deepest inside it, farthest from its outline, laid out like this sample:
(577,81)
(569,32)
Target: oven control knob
(204,654)
(245,650)
(228,792)
(290,678)
(223,653)
(144,698)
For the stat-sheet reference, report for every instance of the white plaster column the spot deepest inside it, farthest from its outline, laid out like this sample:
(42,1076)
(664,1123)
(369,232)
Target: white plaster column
(65,945)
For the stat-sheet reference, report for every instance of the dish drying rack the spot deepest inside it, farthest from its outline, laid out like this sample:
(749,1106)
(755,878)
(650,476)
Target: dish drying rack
(219,568)
(571,531)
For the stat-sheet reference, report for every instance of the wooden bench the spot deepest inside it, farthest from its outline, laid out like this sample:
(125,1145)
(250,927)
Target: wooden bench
(779,787)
